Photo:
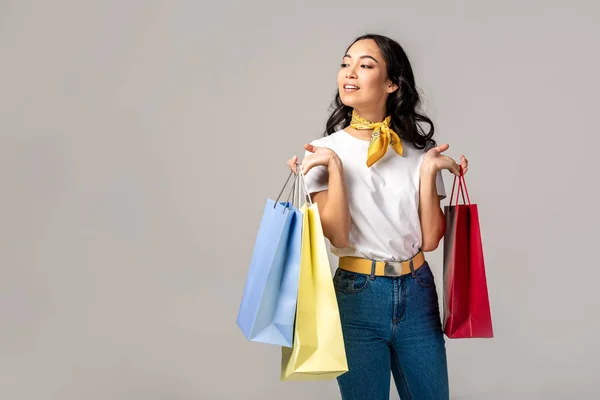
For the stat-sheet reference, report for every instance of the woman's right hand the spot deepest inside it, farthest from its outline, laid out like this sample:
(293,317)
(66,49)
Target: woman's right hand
(320,156)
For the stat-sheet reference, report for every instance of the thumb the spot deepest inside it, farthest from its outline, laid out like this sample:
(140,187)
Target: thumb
(310,147)
(442,147)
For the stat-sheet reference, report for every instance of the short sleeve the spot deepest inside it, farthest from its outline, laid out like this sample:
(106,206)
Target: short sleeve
(317,177)
(439,184)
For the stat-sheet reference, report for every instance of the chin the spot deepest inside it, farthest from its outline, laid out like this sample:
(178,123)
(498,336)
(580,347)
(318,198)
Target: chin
(350,100)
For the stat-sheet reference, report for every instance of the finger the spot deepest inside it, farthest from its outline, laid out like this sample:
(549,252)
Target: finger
(450,159)
(305,167)
(292,163)
(310,148)
(442,147)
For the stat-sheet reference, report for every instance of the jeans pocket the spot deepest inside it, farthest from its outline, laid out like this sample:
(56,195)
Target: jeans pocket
(347,282)
(424,276)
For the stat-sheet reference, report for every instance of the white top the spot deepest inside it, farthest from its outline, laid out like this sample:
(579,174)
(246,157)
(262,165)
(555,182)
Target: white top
(383,199)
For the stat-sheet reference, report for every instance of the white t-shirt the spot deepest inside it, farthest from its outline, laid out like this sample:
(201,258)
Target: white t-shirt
(383,199)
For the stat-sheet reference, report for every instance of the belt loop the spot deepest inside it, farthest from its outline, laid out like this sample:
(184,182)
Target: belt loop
(412,267)
(373,267)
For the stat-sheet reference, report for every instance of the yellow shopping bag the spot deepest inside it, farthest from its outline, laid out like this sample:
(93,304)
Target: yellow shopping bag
(318,350)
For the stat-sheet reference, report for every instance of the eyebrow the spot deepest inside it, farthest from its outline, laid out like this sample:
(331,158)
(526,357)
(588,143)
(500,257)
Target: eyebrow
(361,57)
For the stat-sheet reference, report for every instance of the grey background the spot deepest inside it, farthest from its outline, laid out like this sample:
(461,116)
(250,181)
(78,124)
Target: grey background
(139,141)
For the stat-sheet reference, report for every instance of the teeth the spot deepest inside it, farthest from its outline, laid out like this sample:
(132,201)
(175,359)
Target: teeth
(351,87)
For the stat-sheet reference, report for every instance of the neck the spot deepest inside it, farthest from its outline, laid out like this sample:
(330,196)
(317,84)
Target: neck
(372,115)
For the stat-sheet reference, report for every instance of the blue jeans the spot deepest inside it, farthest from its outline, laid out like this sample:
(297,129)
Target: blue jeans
(391,324)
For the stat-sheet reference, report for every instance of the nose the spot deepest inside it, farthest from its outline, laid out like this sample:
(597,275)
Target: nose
(350,72)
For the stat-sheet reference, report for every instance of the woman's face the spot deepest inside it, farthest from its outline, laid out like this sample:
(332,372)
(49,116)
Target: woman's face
(363,83)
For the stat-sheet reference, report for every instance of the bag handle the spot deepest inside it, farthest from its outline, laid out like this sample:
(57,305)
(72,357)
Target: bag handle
(298,177)
(462,188)
(292,191)
(306,192)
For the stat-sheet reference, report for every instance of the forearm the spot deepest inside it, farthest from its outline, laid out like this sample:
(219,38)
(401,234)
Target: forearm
(335,216)
(431,216)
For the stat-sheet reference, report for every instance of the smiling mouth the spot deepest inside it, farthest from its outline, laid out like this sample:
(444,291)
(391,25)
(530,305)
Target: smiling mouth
(351,88)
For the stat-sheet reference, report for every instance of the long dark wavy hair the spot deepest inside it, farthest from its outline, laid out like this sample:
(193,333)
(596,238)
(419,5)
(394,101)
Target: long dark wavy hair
(403,104)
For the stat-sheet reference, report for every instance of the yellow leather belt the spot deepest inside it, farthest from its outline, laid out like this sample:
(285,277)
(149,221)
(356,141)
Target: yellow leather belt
(382,268)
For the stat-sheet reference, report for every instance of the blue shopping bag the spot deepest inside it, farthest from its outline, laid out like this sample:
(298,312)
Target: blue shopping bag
(268,307)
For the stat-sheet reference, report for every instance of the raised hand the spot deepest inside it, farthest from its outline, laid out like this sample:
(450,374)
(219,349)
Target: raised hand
(320,156)
(434,160)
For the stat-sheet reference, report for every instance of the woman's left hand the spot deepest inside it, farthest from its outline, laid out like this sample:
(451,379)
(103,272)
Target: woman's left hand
(434,160)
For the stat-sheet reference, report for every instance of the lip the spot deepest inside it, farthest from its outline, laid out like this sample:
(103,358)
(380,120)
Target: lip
(350,90)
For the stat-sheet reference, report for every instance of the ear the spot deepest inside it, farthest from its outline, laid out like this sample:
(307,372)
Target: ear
(392,87)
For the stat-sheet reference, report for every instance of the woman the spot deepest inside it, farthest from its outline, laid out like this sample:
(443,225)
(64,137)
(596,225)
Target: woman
(376,177)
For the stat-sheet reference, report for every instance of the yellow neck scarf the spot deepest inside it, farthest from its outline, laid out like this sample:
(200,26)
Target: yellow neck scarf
(382,136)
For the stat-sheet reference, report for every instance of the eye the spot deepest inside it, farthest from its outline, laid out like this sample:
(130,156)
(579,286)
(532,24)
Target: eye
(366,66)
(343,65)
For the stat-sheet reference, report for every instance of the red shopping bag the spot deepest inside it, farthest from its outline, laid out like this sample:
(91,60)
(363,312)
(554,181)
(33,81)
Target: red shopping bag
(466,301)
